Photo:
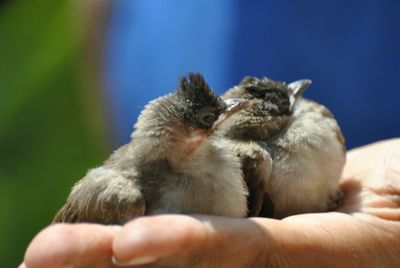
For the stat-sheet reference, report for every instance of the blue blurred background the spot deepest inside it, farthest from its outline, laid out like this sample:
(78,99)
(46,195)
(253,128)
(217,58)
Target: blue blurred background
(74,76)
(350,49)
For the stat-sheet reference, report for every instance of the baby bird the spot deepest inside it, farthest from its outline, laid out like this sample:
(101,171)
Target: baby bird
(292,149)
(176,163)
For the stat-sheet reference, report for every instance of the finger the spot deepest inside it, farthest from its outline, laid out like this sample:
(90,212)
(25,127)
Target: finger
(323,240)
(387,190)
(177,240)
(371,180)
(381,201)
(392,214)
(75,245)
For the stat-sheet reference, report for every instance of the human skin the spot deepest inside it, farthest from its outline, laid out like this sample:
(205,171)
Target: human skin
(363,232)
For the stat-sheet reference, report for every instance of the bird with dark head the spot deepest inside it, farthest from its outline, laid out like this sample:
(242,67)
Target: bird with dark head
(291,148)
(272,105)
(176,163)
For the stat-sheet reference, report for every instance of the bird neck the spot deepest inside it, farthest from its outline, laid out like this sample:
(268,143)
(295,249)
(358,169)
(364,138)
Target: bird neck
(180,153)
(255,131)
(162,135)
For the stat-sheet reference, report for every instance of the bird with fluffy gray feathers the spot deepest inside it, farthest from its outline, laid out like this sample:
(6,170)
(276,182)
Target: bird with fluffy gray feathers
(177,162)
(292,149)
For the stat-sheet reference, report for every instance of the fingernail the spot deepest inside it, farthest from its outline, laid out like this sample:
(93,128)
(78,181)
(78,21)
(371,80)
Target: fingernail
(135,261)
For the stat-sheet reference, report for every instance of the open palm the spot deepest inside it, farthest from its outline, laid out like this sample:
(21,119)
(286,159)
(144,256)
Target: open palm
(363,232)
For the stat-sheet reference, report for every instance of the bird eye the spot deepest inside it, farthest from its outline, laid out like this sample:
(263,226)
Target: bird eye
(207,119)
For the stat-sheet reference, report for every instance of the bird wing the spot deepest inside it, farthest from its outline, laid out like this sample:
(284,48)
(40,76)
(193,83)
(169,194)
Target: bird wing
(257,169)
(267,208)
(256,172)
(103,196)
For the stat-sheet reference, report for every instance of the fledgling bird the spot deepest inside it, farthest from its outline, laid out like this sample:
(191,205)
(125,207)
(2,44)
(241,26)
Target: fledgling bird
(292,149)
(176,163)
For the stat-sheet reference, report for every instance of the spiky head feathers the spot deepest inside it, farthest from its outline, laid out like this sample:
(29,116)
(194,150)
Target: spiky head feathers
(201,106)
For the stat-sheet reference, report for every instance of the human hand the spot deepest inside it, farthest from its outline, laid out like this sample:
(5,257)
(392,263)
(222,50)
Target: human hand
(371,180)
(368,236)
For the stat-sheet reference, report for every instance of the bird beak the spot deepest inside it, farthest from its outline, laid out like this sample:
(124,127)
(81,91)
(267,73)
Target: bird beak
(297,88)
(233,106)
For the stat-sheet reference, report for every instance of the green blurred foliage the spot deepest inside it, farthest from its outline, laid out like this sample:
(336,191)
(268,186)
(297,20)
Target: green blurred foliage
(45,140)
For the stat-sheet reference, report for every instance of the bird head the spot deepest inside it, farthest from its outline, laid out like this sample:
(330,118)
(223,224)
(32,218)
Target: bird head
(201,107)
(184,119)
(204,112)
(272,104)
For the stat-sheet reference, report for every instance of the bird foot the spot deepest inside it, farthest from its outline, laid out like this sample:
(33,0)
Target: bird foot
(335,200)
